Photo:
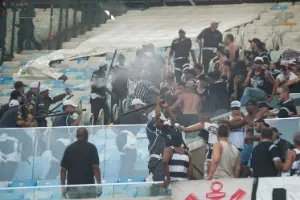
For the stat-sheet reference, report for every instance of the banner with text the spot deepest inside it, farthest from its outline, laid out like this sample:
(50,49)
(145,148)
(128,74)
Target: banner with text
(225,189)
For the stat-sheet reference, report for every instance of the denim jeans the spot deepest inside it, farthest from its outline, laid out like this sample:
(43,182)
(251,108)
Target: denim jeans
(254,93)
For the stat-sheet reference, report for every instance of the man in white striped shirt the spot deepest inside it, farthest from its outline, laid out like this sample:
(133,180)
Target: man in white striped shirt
(177,161)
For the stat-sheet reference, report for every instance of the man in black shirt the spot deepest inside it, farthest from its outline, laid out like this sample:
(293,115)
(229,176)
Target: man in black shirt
(181,47)
(120,82)
(98,93)
(265,160)
(81,162)
(26,27)
(260,49)
(14,95)
(15,117)
(287,106)
(67,119)
(212,38)
(252,54)
(138,117)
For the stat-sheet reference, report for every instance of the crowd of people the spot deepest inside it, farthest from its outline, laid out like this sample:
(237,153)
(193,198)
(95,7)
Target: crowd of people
(186,101)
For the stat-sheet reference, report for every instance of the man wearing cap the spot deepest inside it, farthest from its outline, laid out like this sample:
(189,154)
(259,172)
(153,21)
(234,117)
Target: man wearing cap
(292,162)
(260,49)
(137,117)
(31,94)
(252,54)
(14,117)
(181,47)
(67,119)
(14,95)
(98,92)
(44,103)
(236,123)
(212,38)
(259,83)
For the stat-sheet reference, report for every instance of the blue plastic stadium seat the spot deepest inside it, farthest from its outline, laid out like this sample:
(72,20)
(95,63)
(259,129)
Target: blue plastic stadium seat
(7,67)
(65,70)
(48,182)
(82,78)
(23,183)
(11,196)
(4,184)
(49,81)
(38,195)
(23,62)
(40,166)
(58,81)
(84,98)
(77,89)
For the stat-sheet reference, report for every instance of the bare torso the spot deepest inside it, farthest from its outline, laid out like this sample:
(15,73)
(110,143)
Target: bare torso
(191,103)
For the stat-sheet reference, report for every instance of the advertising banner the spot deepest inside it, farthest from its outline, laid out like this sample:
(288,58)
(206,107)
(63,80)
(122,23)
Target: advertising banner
(222,189)
(281,188)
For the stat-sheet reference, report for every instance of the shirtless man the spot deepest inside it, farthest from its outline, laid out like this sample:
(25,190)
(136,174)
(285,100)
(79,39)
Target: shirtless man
(191,105)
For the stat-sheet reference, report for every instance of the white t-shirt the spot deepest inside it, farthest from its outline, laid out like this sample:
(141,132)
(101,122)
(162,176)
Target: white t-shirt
(237,136)
(212,130)
(291,76)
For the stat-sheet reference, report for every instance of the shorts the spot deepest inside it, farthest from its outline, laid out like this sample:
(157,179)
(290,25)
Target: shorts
(189,119)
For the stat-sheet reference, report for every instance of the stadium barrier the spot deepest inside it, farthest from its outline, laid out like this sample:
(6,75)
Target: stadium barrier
(124,191)
(277,188)
(35,153)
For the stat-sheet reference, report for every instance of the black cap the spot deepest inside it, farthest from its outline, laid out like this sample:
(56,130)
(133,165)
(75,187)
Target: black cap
(255,40)
(19,84)
(252,102)
(263,104)
(15,94)
(181,31)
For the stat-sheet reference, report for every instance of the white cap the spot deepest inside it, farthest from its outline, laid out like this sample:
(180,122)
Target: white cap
(102,63)
(235,104)
(44,88)
(259,59)
(148,55)
(13,103)
(162,116)
(137,101)
(34,85)
(214,21)
(69,102)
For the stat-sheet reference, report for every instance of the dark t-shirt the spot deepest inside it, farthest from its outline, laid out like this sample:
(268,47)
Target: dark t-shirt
(63,120)
(138,117)
(211,38)
(10,118)
(181,47)
(98,75)
(120,88)
(262,159)
(218,96)
(286,108)
(78,159)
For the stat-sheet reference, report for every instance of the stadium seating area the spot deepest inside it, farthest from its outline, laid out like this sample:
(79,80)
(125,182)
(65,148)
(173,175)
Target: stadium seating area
(42,24)
(268,26)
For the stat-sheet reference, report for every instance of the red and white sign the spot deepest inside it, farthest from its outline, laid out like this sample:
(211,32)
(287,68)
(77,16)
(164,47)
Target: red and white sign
(222,189)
